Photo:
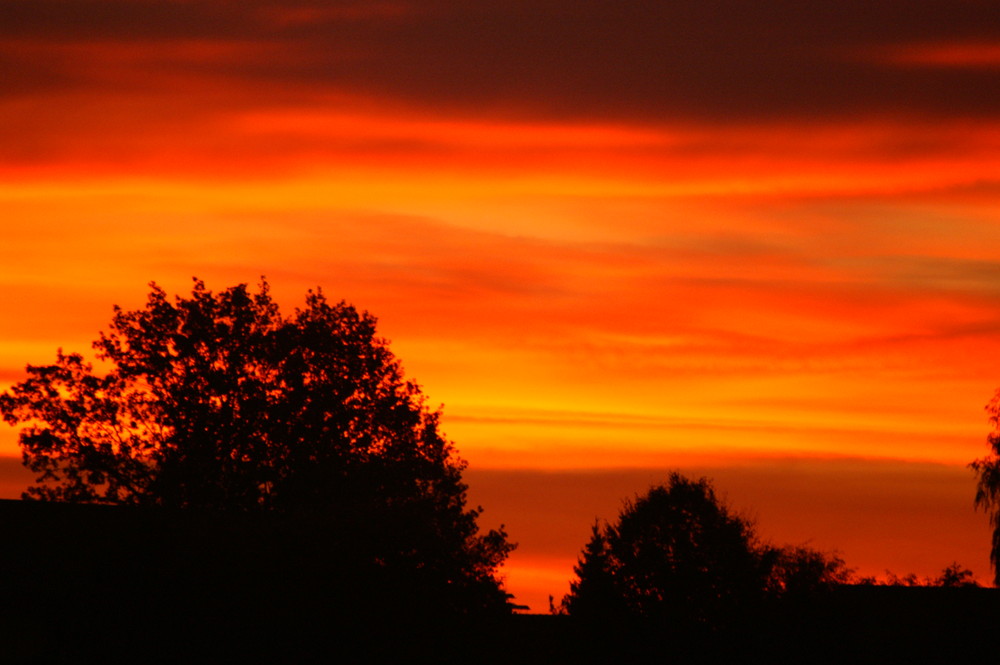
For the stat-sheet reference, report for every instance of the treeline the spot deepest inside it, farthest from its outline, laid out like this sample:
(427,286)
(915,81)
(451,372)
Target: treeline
(678,577)
(679,554)
(107,584)
(232,483)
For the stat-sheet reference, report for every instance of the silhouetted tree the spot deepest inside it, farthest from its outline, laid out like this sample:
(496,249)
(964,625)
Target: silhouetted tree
(679,553)
(956,575)
(594,593)
(799,571)
(988,488)
(217,401)
(676,553)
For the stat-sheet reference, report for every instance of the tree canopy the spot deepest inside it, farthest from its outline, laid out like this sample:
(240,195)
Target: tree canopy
(679,553)
(217,401)
(675,552)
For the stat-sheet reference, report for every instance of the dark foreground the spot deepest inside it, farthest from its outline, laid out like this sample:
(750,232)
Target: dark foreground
(84,584)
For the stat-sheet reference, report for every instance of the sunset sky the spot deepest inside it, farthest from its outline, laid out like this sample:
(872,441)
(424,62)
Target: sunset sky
(758,241)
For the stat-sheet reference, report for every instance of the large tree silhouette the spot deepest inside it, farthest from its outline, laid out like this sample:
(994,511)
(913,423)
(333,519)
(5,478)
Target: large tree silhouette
(218,402)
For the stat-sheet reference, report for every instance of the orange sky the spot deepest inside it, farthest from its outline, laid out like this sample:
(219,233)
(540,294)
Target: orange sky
(757,242)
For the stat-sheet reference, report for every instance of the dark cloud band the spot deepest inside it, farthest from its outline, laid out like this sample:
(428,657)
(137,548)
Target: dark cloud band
(725,60)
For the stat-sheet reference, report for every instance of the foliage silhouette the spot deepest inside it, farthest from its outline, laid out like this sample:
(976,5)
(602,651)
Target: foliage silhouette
(988,488)
(594,594)
(220,403)
(679,554)
(798,571)
(956,575)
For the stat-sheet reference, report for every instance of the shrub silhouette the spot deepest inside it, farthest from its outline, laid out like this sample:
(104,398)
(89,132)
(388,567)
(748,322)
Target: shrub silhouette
(217,402)
(798,571)
(956,575)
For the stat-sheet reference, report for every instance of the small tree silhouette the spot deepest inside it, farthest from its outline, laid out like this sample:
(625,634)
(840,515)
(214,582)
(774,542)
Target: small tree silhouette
(676,553)
(798,571)
(594,593)
(679,554)
(956,575)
